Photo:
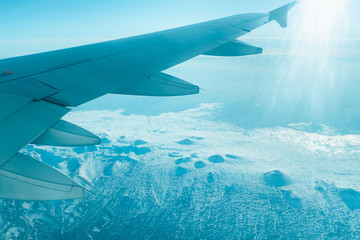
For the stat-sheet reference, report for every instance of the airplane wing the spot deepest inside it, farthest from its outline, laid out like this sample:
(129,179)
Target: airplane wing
(37,90)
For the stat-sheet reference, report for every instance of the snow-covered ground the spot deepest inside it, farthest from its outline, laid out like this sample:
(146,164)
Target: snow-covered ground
(188,175)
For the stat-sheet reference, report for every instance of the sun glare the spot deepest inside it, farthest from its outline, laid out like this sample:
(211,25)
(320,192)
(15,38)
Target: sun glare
(310,82)
(321,23)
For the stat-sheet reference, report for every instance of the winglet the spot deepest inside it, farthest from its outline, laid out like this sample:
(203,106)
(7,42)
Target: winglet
(280,14)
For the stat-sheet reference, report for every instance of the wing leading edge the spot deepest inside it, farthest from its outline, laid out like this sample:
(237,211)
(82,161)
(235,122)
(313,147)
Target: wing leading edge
(36,91)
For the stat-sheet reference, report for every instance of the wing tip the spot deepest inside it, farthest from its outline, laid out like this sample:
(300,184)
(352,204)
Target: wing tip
(280,15)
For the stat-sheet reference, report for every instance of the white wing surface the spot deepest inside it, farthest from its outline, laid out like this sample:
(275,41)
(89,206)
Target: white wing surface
(36,91)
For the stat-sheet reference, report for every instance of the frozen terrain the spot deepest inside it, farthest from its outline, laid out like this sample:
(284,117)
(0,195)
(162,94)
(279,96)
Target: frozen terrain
(189,175)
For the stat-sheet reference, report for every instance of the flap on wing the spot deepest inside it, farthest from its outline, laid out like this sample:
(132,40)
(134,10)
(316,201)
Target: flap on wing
(27,87)
(10,103)
(160,85)
(26,124)
(25,178)
(233,49)
(66,134)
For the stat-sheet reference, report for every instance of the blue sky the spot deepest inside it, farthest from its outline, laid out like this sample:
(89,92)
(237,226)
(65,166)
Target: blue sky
(308,72)
(40,25)
(48,24)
